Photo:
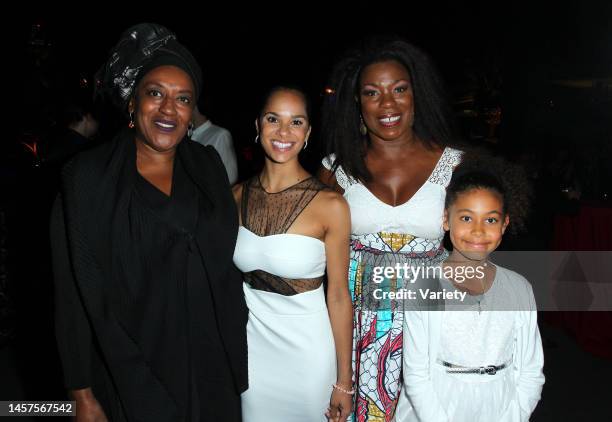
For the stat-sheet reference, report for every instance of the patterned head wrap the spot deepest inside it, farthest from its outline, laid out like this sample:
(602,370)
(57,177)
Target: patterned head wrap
(140,49)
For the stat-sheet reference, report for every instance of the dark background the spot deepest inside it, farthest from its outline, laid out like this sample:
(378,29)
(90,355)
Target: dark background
(546,67)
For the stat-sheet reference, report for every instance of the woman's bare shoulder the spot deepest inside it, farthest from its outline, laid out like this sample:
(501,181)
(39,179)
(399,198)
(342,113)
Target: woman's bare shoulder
(331,204)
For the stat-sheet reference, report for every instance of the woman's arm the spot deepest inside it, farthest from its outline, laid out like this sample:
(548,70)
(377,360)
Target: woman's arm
(72,326)
(340,308)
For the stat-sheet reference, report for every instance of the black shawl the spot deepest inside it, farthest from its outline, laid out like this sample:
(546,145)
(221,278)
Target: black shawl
(96,186)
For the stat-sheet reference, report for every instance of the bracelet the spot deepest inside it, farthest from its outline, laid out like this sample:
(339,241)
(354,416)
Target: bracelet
(349,392)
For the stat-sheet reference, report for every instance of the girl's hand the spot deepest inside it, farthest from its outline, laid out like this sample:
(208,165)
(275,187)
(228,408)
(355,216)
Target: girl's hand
(340,406)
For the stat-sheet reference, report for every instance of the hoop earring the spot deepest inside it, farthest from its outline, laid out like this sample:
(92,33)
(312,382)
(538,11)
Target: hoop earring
(257,138)
(305,144)
(362,127)
(190,130)
(131,123)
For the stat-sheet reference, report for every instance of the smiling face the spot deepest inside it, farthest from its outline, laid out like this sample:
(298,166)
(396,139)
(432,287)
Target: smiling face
(283,126)
(476,222)
(387,102)
(162,107)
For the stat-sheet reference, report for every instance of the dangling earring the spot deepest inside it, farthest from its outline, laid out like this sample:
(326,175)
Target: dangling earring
(305,144)
(190,130)
(131,124)
(362,127)
(257,138)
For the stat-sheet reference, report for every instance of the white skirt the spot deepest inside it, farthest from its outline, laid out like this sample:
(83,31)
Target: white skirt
(471,397)
(292,358)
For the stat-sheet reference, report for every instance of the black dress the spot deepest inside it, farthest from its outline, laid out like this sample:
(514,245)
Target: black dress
(162,231)
(164,346)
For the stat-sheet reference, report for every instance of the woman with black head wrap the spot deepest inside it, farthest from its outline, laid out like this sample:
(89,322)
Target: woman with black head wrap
(150,310)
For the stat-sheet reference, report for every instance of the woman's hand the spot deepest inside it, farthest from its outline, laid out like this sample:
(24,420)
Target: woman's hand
(88,408)
(337,220)
(340,406)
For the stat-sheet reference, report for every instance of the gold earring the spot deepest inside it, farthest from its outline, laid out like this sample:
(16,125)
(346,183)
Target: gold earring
(362,127)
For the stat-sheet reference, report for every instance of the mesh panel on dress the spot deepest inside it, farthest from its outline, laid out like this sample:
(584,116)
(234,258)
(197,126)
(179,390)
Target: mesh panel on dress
(267,214)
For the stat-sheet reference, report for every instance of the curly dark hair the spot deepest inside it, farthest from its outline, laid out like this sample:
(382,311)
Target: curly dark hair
(479,170)
(341,111)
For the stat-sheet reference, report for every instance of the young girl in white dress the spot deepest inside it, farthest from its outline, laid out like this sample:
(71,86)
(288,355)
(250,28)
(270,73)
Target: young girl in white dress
(483,361)
(293,229)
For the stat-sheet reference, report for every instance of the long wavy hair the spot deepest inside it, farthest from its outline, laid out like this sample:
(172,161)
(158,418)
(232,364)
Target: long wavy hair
(342,111)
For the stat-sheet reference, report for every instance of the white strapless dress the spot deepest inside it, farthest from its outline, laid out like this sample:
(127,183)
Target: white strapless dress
(292,358)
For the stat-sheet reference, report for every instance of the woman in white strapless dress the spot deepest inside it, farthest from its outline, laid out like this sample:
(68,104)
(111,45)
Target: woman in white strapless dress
(292,230)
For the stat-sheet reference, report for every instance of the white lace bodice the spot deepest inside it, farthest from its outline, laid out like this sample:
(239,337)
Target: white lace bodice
(421,216)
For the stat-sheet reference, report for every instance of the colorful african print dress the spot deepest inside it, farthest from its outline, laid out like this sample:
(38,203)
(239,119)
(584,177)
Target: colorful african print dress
(384,236)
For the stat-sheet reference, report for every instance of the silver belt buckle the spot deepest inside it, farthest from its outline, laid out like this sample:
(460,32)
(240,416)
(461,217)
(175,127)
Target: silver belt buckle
(489,370)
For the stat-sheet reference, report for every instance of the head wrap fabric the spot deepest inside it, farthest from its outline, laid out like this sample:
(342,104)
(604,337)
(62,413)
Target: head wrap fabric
(140,49)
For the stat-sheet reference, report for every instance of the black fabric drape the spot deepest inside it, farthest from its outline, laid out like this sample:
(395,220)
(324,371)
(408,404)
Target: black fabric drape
(119,303)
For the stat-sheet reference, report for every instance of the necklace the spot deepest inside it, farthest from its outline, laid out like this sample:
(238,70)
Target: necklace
(481,295)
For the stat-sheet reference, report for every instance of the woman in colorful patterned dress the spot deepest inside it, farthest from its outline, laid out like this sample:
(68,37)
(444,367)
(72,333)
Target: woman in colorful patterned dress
(388,131)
